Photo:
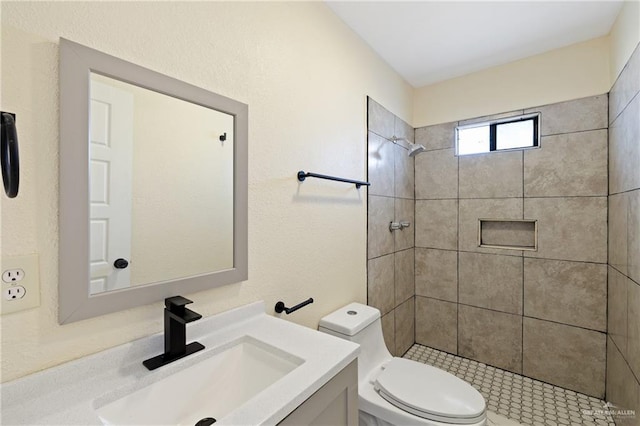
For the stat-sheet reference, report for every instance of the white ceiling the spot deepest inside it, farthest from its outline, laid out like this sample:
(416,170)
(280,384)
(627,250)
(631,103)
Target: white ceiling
(431,41)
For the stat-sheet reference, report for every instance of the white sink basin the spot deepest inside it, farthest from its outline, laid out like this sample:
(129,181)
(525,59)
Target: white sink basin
(212,387)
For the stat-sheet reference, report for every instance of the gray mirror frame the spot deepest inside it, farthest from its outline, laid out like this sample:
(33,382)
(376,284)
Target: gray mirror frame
(75,303)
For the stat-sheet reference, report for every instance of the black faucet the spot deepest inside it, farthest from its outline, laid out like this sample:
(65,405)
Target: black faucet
(176,317)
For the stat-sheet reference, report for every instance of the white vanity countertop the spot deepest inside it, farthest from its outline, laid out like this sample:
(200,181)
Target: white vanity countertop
(70,393)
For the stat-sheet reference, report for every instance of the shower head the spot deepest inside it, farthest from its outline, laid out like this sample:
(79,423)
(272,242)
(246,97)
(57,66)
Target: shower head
(414,149)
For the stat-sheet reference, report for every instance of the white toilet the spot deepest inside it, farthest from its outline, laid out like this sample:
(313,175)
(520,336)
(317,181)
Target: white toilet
(398,391)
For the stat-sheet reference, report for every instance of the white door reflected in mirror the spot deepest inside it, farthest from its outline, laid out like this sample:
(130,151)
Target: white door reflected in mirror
(161,191)
(111,156)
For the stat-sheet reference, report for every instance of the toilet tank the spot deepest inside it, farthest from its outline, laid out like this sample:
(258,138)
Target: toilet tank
(349,320)
(360,324)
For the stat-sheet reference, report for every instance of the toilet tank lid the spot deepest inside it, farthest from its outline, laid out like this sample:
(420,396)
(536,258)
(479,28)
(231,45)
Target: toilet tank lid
(350,319)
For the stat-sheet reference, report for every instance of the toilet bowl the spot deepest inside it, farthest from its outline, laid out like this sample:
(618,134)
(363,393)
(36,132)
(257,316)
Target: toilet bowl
(398,391)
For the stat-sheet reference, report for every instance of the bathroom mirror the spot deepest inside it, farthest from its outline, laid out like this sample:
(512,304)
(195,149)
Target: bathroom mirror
(153,186)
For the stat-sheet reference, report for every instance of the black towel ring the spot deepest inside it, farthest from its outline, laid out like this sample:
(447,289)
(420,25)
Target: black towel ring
(9,155)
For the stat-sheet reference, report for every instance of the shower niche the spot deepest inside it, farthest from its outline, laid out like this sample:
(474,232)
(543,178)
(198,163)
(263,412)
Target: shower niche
(510,234)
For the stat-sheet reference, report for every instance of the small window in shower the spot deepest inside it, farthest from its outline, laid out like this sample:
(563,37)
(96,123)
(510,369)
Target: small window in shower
(499,135)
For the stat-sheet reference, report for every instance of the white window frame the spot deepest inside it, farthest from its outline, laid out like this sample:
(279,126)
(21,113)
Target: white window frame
(493,124)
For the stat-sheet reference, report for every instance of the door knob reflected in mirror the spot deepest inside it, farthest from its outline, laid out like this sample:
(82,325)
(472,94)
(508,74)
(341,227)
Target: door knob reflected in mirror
(121,263)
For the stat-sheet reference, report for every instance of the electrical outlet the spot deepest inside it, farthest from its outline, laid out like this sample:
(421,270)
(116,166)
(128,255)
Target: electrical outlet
(12,275)
(14,292)
(20,283)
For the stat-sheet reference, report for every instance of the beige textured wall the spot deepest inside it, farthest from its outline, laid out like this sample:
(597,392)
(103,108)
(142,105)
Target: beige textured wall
(305,77)
(537,313)
(563,74)
(182,197)
(624,37)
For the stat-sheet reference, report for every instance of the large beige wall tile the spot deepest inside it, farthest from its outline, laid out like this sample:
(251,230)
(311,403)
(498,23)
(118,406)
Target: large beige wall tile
(472,210)
(405,328)
(626,86)
(402,130)
(622,387)
(573,116)
(617,309)
(633,234)
(437,224)
(618,213)
(572,293)
(404,211)
(379,238)
(405,276)
(439,136)
(437,274)
(381,164)
(572,164)
(380,120)
(491,337)
(633,326)
(491,281)
(492,175)
(437,174)
(566,356)
(624,150)
(404,173)
(380,283)
(569,228)
(437,324)
(389,331)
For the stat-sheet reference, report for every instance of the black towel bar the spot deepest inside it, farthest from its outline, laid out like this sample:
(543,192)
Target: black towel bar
(358,183)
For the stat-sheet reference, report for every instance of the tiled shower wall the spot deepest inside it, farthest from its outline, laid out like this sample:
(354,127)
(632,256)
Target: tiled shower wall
(390,280)
(623,346)
(539,313)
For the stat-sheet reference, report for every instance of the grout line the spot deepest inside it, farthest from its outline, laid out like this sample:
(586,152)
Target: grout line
(384,196)
(382,255)
(366,263)
(564,260)
(516,197)
(433,248)
(536,238)
(519,255)
(415,179)
(625,192)
(615,345)
(436,199)
(458,259)
(606,307)
(562,323)
(393,236)
(623,109)
(578,131)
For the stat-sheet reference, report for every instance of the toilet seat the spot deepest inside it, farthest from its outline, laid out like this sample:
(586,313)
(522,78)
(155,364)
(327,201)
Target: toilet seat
(429,392)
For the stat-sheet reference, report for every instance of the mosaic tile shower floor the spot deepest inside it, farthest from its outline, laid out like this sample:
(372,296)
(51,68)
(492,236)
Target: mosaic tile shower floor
(518,398)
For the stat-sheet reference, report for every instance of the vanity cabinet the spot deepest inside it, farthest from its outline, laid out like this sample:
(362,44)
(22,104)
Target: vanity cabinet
(335,404)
